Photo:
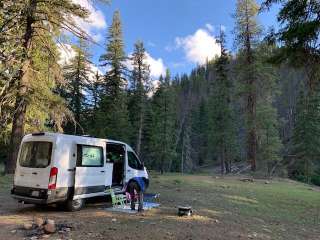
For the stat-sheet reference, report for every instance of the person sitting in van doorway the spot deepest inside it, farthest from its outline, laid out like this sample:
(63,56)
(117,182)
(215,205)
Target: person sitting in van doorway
(136,190)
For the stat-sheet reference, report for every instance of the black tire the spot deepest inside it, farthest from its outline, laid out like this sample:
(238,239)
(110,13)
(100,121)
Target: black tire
(74,205)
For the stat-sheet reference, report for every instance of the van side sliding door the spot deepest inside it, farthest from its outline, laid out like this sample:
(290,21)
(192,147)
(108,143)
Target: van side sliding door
(90,171)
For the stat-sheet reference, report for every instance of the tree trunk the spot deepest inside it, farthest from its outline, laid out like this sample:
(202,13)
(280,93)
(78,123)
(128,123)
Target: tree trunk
(182,158)
(251,108)
(16,134)
(18,120)
(139,137)
(251,98)
(165,132)
(21,101)
(227,162)
(222,160)
(252,135)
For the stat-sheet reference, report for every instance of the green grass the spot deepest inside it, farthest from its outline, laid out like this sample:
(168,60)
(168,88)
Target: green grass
(5,183)
(1,169)
(279,205)
(281,209)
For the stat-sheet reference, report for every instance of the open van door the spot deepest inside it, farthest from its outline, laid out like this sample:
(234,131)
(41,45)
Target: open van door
(91,171)
(134,167)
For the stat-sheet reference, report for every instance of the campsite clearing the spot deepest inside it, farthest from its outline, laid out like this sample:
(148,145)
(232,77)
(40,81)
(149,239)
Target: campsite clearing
(224,208)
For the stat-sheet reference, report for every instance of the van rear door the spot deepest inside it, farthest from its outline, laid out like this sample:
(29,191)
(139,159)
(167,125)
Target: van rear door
(33,165)
(91,170)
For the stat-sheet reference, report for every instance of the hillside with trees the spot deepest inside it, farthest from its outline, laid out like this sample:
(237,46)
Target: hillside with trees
(255,108)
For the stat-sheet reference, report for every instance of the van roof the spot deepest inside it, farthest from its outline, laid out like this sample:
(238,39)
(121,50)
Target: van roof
(73,136)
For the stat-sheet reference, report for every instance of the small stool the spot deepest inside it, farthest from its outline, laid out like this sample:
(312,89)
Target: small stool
(184,211)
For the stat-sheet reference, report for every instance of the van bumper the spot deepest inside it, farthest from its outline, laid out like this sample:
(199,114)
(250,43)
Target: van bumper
(30,199)
(23,194)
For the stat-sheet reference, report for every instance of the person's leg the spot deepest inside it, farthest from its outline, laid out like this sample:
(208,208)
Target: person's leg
(133,199)
(140,208)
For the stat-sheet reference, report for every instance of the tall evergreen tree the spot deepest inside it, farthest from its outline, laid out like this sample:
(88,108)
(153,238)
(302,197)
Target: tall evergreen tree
(139,88)
(163,120)
(93,100)
(306,136)
(32,24)
(200,134)
(269,143)
(77,74)
(247,32)
(299,38)
(221,121)
(113,119)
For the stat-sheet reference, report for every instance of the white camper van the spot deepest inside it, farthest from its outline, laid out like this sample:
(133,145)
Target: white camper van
(65,169)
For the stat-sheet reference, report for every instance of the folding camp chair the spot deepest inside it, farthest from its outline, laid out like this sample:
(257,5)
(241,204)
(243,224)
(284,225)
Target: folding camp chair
(118,200)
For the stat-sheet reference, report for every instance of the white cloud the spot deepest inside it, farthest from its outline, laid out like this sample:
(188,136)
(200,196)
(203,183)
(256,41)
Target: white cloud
(199,47)
(210,27)
(157,66)
(66,53)
(95,21)
(94,69)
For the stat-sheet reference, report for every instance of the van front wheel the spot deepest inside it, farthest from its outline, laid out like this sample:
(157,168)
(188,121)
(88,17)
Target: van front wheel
(74,205)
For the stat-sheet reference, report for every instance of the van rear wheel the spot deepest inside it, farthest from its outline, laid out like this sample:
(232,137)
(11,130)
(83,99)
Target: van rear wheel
(74,205)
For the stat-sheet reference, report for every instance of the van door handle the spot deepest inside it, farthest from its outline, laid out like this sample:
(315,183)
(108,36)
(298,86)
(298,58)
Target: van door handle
(34,173)
(128,170)
(102,171)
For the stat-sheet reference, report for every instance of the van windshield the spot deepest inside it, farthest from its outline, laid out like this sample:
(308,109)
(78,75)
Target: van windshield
(35,154)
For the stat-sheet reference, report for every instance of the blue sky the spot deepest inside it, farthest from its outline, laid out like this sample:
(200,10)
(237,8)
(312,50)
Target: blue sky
(176,33)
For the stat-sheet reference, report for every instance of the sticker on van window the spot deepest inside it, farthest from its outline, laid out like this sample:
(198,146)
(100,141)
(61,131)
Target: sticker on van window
(91,156)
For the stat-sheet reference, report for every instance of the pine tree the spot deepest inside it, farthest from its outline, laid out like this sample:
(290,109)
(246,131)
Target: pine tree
(247,33)
(93,100)
(299,39)
(163,121)
(221,115)
(187,147)
(32,24)
(200,133)
(269,143)
(113,119)
(139,88)
(306,136)
(77,77)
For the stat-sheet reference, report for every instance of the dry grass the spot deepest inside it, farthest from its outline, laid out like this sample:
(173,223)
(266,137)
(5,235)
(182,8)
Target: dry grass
(224,208)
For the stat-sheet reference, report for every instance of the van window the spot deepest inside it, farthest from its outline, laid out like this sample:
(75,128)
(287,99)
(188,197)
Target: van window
(35,154)
(134,162)
(90,156)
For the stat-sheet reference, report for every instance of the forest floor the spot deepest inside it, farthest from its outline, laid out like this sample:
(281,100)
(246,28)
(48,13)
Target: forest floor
(224,208)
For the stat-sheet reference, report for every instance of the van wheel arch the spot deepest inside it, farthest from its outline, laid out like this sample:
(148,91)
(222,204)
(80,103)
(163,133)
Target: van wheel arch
(73,205)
